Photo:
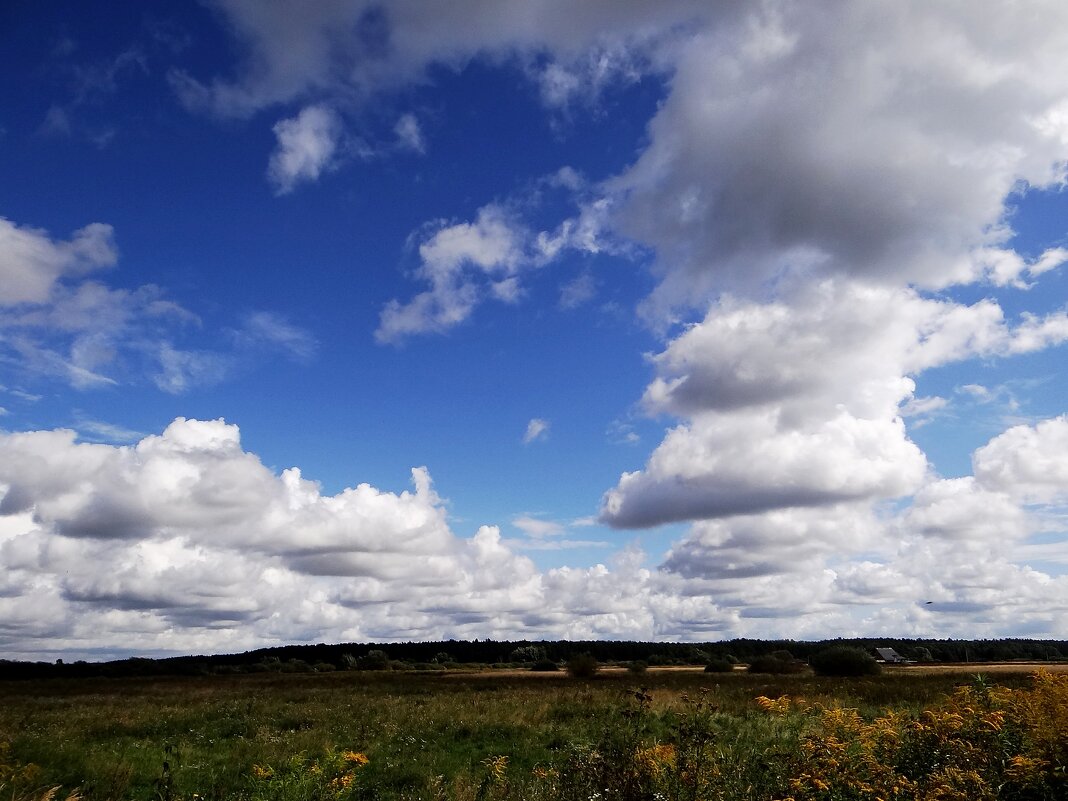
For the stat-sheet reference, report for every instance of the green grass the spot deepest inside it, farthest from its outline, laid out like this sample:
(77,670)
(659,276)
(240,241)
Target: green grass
(427,734)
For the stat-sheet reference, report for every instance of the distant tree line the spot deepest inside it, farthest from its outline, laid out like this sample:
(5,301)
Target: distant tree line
(440,655)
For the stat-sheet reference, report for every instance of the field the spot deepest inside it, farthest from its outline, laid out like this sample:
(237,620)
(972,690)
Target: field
(667,734)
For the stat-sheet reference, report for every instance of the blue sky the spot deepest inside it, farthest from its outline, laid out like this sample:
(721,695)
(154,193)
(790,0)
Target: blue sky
(693,322)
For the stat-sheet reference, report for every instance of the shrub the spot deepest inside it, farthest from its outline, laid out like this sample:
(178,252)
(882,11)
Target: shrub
(775,665)
(583,666)
(269,664)
(545,666)
(637,667)
(841,660)
(373,660)
(719,666)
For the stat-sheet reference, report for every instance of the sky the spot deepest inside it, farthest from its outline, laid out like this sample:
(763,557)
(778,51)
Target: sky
(527,319)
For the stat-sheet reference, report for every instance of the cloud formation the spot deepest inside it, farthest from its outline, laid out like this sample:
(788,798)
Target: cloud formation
(31,262)
(362,49)
(307,146)
(186,531)
(879,142)
(58,323)
(185,542)
(814,187)
(797,402)
(464,264)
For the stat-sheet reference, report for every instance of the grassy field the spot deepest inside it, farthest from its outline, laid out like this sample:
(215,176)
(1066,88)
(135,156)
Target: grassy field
(671,734)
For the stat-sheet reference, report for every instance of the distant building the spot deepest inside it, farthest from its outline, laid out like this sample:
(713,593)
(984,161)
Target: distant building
(890,656)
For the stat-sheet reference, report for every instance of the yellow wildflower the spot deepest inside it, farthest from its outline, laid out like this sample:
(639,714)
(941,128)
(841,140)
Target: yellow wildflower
(779,706)
(342,782)
(497,767)
(655,759)
(355,757)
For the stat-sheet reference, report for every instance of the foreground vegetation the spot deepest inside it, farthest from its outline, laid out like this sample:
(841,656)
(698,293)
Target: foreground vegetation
(682,735)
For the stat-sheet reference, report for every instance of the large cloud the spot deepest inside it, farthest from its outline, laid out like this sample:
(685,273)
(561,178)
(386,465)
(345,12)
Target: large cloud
(976,553)
(878,140)
(1029,462)
(186,542)
(360,47)
(796,402)
(192,534)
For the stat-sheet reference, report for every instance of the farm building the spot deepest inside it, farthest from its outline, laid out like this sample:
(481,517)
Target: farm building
(890,656)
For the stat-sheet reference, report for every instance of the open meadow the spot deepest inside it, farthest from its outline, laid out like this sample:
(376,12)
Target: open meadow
(665,734)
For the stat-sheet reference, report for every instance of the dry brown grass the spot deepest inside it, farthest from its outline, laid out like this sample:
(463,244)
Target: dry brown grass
(979,667)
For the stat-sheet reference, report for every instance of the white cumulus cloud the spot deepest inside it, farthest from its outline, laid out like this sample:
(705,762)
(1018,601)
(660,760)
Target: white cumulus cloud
(307,146)
(798,401)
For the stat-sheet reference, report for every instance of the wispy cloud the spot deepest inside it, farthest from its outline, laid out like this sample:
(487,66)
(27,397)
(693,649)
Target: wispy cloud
(537,429)
(57,322)
(264,329)
(100,431)
(409,134)
(535,527)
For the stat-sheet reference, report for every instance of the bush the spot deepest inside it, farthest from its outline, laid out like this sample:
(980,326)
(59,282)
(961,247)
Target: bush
(775,665)
(544,666)
(719,666)
(374,660)
(583,666)
(841,660)
(637,667)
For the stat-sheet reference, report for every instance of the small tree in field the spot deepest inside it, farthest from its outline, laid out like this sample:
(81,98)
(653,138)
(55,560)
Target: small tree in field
(527,653)
(841,660)
(373,660)
(778,662)
(583,666)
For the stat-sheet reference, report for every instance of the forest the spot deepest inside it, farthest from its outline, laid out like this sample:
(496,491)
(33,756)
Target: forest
(516,653)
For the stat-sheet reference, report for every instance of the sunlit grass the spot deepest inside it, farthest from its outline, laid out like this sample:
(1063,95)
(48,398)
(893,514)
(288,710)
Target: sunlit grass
(443,736)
